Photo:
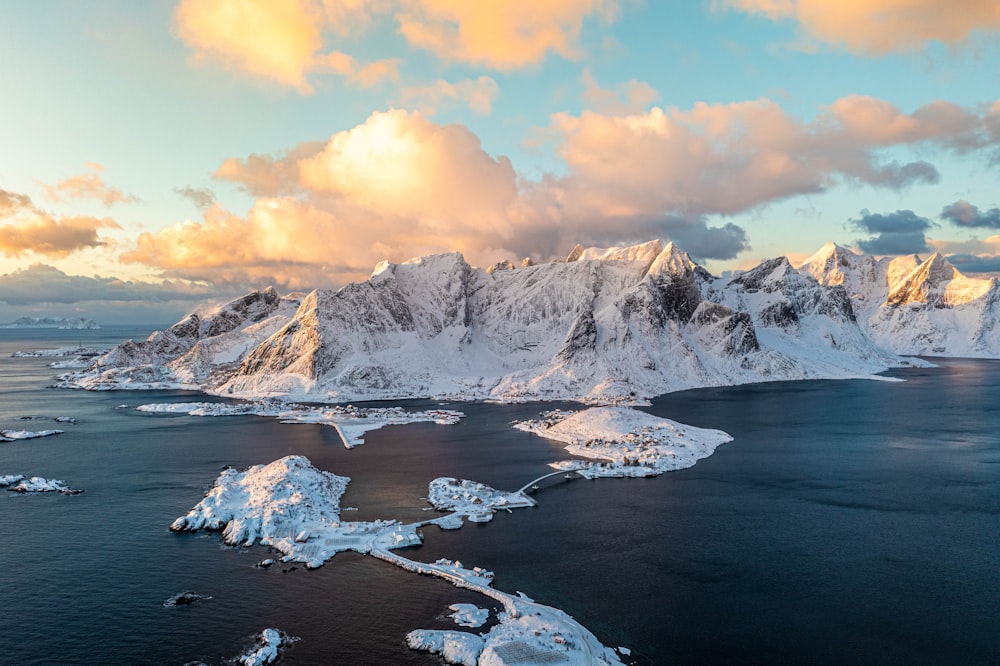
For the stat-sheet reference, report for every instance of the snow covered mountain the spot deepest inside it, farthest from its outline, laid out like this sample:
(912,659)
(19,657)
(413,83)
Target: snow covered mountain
(196,351)
(604,325)
(64,323)
(914,306)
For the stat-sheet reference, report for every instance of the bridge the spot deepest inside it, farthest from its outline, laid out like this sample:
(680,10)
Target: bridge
(528,485)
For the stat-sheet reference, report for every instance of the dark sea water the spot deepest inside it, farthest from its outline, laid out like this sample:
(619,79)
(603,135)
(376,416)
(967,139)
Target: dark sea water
(849,522)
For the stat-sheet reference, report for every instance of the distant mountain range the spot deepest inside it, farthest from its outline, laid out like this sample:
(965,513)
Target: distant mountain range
(50,322)
(606,325)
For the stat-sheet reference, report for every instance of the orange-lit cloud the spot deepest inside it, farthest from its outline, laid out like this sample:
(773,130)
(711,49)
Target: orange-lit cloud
(501,35)
(725,158)
(287,40)
(877,27)
(393,187)
(87,186)
(267,175)
(275,39)
(477,94)
(400,185)
(13,202)
(42,234)
(280,40)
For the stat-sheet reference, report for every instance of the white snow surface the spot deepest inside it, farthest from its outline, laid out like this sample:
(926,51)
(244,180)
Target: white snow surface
(611,325)
(293,507)
(469,615)
(911,305)
(20,484)
(59,352)
(266,650)
(471,498)
(455,647)
(633,442)
(11,435)
(198,352)
(350,422)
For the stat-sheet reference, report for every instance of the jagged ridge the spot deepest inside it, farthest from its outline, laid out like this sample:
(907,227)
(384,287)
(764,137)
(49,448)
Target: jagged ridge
(604,325)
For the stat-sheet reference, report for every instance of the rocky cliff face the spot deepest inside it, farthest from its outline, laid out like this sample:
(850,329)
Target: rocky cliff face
(914,306)
(606,324)
(196,351)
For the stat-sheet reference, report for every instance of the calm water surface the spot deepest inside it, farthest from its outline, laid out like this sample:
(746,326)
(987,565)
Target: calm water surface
(852,521)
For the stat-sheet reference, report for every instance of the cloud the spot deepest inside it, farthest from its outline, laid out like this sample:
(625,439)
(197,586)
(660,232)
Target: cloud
(279,40)
(878,27)
(396,186)
(500,35)
(365,76)
(87,186)
(477,94)
(41,284)
(971,255)
(12,203)
(285,41)
(401,185)
(43,234)
(201,197)
(266,175)
(901,232)
(403,165)
(704,242)
(964,214)
(900,221)
(971,263)
(628,98)
(726,158)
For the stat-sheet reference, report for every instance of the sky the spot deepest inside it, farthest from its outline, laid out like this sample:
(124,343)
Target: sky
(160,155)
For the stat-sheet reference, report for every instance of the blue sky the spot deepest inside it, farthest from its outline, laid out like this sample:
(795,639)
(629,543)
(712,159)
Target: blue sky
(160,154)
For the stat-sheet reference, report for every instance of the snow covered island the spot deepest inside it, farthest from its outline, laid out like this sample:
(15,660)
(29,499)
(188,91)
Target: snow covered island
(633,443)
(295,508)
(18,483)
(350,422)
(76,323)
(14,435)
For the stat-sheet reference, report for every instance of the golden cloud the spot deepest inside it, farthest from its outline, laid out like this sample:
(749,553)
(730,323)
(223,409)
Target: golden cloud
(13,202)
(393,187)
(280,40)
(400,185)
(502,35)
(44,235)
(87,186)
(283,40)
(877,27)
